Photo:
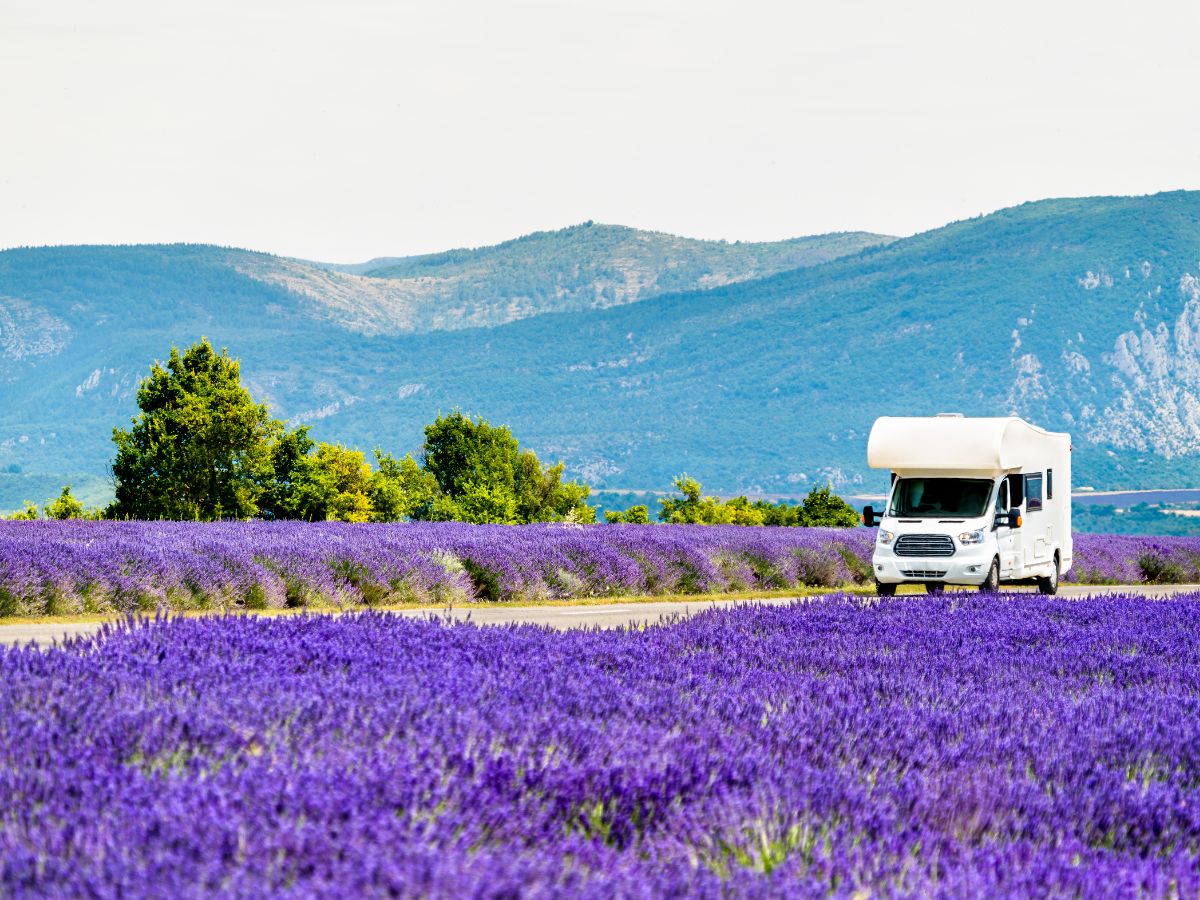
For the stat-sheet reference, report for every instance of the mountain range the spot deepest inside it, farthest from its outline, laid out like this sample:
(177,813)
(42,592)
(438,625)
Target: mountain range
(635,356)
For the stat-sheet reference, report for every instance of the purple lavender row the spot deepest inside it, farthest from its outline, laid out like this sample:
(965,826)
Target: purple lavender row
(930,746)
(82,566)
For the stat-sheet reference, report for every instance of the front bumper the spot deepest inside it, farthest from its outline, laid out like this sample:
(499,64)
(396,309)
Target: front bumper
(969,565)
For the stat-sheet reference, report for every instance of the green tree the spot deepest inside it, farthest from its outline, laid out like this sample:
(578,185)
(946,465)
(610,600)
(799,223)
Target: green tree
(779,514)
(822,507)
(692,508)
(741,511)
(332,485)
(685,510)
(399,489)
(482,475)
(460,453)
(480,502)
(65,506)
(542,495)
(635,515)
(289,465)
(201,447)
(30,512)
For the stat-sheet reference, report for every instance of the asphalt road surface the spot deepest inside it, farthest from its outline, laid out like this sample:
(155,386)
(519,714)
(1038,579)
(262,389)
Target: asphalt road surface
(614,615)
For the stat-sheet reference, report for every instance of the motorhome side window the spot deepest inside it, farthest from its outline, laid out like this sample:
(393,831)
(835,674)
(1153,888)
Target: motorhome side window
(1002,497)
(1049,484)
(1033,491)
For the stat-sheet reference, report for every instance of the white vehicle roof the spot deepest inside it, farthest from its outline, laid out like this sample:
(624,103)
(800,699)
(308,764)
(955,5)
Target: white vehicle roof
(978,446)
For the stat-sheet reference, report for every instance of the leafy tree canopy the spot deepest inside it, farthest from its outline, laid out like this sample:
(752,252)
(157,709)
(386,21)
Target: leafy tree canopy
(333,484)
(694,509)
(30,512)
(821,507)
(337,483)
(282,497)
(65,506)
(201,447)
(635,515)
(482,475)
(399,489)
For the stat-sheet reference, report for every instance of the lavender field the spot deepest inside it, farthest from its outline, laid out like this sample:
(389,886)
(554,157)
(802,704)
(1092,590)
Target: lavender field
(948,746)
(131,566)
(121,567)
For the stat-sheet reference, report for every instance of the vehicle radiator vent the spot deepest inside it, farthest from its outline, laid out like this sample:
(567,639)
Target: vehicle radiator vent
(924,545)
(923,573)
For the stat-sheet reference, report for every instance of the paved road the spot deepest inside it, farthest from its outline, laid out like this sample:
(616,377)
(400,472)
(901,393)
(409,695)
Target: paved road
(606,616)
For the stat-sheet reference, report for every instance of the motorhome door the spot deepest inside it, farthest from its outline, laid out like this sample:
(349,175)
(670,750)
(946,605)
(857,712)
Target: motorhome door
(1038,526)
(1007,539)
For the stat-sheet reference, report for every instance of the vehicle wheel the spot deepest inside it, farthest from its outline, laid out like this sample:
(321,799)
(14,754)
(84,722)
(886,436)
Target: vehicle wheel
(934,587)
(992,583)
(885,590)
(1049,584)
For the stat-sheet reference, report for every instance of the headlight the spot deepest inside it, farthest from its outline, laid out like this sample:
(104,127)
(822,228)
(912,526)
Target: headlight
(885,537)
(971,537)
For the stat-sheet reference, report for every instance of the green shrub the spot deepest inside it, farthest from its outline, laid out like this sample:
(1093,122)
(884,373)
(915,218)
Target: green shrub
(861,571)
(767,574)
(65,507)
(9,604)
(816,569)
(487,582)
(256,597)
(635,515)
(1158,569)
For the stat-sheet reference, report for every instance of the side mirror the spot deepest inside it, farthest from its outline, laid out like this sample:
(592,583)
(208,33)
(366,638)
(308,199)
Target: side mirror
(868,516)
(1010,519)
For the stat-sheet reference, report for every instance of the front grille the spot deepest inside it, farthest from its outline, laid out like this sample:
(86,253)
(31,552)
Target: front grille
(922,573)
(924,545)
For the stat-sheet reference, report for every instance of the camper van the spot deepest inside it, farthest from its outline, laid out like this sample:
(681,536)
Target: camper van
(973,501)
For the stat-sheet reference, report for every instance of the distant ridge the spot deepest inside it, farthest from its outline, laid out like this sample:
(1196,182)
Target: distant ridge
(585,266)
(599,240)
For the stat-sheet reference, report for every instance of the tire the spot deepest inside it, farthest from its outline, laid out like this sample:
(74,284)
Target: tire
(885,590)
(1049,584)
(934,587)
(992,584)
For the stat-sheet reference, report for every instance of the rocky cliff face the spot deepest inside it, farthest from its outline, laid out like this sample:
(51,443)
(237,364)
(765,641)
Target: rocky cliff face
(1154,370)
(28,332)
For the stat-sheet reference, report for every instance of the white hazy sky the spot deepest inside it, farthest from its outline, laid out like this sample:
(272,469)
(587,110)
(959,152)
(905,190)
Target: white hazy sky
(350,129)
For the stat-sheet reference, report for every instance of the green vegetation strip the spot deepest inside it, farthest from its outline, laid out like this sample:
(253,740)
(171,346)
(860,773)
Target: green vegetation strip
(331,608)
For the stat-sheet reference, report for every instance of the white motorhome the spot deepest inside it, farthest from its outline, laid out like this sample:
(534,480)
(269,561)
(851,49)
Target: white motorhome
(975,501)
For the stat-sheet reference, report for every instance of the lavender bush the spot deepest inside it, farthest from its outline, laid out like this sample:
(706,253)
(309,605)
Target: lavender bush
(72,567)
(939,746)
(1130,559)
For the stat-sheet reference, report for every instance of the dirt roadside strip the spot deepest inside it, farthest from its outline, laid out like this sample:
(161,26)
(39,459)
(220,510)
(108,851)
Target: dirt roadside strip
(614,615)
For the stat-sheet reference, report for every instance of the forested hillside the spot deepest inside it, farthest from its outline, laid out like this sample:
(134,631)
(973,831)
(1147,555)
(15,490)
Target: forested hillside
(1082,315)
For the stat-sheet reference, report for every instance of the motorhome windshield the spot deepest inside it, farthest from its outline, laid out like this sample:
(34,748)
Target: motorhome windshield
(928,498)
